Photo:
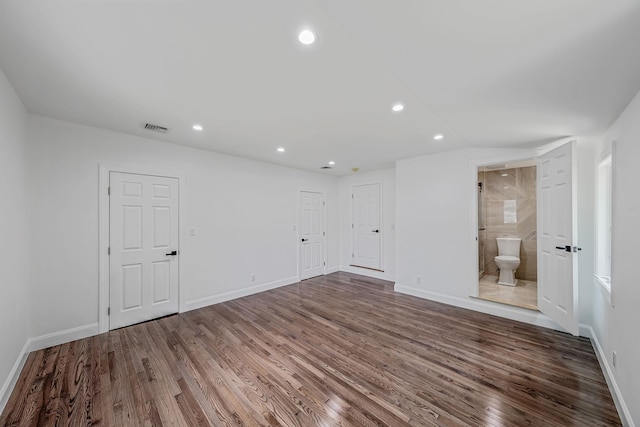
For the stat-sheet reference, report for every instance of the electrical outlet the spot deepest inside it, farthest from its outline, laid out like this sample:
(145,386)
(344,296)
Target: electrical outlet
(419,280)
(614,359)
(253,277)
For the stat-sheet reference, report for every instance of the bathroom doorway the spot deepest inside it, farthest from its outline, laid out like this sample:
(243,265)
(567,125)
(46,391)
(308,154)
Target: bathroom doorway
(507,233)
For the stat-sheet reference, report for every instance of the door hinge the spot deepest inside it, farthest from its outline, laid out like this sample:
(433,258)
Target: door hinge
(324,263)
(323,233)
(352,196)
(323,203)
(352,255)
(108,311)
(108,191)
(109,251)
(351,225)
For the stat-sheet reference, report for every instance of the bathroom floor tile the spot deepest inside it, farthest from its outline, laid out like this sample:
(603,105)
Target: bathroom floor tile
(524,294)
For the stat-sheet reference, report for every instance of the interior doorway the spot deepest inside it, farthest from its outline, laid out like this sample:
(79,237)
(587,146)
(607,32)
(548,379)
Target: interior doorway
(366,227)
(312,234)
(143,248)
(550,252)
(507,209)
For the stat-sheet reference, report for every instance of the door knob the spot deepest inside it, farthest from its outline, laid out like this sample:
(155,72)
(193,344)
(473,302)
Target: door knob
(304,240)
(172,253)
(375,231)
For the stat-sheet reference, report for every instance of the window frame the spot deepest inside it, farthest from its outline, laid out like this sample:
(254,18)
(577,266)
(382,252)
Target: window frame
(603,224)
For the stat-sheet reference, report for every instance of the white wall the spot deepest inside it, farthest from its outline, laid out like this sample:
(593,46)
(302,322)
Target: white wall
(14,237)
(387,179)
(616,327)
(243,211)
(433,214)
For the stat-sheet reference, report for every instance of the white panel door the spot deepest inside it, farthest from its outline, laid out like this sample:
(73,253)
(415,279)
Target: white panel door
(366,226)
(312,234)
(557,287)
(143,241)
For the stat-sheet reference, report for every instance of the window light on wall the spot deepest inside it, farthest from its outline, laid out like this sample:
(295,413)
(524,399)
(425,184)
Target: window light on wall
(604,190)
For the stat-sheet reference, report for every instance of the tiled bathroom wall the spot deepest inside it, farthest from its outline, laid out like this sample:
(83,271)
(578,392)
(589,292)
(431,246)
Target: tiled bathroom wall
(508,203)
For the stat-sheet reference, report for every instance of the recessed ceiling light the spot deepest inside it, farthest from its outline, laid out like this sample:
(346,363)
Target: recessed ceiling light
(397,107)
(438,137)
(332,163)
(306,37)
(197,127)
(280,150)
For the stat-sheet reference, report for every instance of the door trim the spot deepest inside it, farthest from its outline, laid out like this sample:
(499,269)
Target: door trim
(382,225)
(473,221)
(474,274)
(325,249)
(105,170)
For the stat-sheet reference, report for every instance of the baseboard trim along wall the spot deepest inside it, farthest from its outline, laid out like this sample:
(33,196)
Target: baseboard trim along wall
(57,338)
(366,272)
(487,307)
(12,379)
(621,406)
(228,296)
(332,270)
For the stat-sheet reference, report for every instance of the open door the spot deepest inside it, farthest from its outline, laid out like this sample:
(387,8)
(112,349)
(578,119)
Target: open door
(557,269)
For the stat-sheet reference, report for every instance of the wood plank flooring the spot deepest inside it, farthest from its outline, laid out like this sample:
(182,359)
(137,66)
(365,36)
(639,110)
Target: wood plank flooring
(335,350)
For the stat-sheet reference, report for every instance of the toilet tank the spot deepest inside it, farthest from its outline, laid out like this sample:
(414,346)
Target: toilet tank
(509,246)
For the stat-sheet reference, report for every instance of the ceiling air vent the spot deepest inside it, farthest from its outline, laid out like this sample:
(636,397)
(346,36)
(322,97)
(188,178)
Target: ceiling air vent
(325,167)
(156,128)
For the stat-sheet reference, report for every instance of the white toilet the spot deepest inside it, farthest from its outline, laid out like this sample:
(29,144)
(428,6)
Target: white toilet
(508,259)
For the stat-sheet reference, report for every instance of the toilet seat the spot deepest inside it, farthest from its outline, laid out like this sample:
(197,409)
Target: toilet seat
(507,258)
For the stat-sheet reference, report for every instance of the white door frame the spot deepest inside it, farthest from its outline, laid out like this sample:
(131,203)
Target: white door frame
(474,274)
(382,228)
(325,250)
(473,231)
(105,170)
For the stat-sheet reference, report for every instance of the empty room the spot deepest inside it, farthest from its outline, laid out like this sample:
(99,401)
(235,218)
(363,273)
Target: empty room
(319,212)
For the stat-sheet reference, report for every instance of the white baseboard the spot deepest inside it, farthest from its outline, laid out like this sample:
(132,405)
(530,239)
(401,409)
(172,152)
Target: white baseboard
(621,406)
(14,374)
(57,338)
(367,272)
(487,307)
(334,269)
(228,296)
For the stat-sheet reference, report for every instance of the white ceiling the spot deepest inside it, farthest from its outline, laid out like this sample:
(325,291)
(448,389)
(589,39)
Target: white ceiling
(484,73)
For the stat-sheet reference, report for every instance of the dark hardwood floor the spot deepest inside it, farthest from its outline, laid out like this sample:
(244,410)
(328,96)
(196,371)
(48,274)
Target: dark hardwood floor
(335,350)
